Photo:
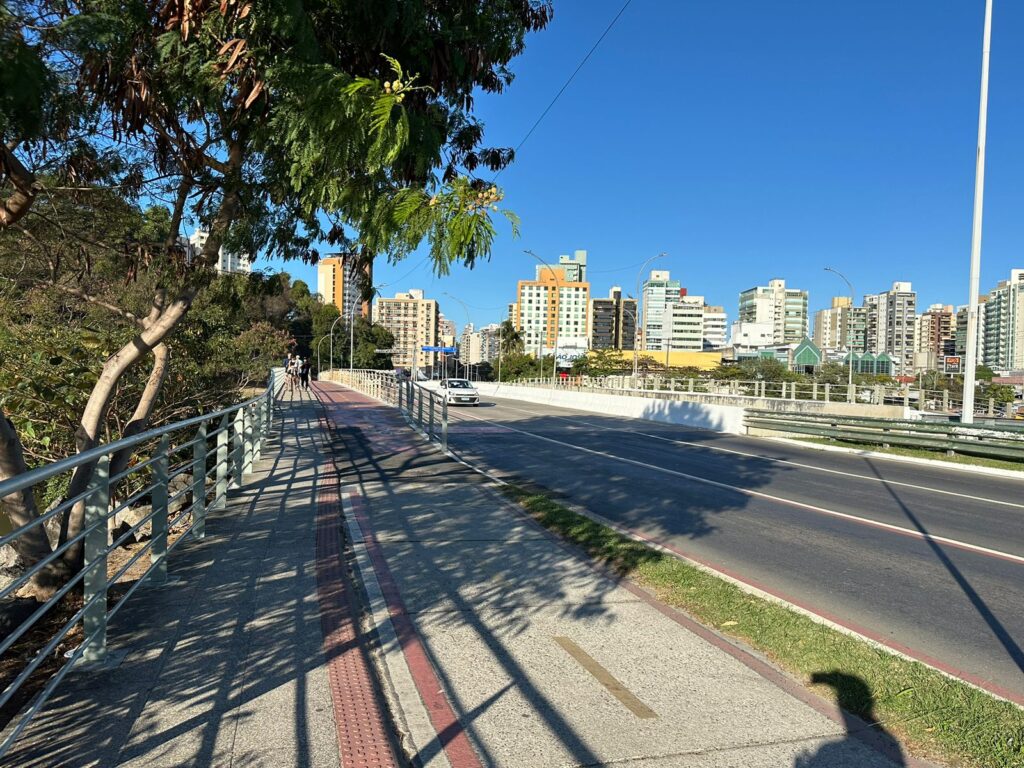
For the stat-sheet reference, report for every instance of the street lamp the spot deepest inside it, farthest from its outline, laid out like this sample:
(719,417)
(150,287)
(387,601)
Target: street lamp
(849,334)
(636,324)
(557,302)
(351,336)
(465,309)
(971,361)
(331,334)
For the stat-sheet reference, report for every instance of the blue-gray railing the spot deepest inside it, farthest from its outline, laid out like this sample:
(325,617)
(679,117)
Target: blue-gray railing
(217,449)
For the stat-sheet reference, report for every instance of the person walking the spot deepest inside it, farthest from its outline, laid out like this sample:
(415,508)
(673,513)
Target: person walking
(304,367)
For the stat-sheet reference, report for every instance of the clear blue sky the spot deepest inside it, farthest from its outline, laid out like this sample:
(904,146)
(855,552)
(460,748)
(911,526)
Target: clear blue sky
(752,140)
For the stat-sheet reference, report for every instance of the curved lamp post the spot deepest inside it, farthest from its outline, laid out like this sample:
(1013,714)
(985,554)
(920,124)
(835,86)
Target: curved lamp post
(636,324)
(558,303)
(465,309)
(849,342)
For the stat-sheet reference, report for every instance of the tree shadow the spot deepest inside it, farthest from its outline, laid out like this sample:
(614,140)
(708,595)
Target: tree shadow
(857,709)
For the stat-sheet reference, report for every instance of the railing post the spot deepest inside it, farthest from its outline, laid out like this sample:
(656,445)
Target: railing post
(158,549)
(221,492)
(991,406)
(906,398)
(431,428)
(444,424)
(238,449)
(257,430)
(945,400)
(247,440)
(814,391)
(419,407)
(94,584)
(199,483)
(828,392)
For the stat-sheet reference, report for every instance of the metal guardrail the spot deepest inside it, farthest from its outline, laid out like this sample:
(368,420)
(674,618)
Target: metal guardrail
(424,408)
(1003,442)
(209,460)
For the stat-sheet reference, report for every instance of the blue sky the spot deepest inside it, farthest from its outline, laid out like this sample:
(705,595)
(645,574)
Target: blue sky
(751,140)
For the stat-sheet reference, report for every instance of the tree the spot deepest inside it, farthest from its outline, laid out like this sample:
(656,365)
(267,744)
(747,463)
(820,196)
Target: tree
(510,339)
(349,122)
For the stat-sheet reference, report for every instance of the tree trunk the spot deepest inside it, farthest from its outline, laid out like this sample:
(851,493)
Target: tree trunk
(139,421)
(16,205)
(95,412)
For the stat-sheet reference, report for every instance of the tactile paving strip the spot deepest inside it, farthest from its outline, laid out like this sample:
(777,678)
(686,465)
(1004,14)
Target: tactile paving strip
(363,740)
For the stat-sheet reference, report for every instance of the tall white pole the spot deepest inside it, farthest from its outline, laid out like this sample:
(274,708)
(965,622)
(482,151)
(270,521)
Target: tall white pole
(971,361)
(332,339)
(351,336)
(636,315)
(849,334)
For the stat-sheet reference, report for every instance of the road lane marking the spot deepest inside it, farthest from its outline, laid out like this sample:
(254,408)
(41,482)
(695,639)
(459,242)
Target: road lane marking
(605,678)
(789,462)
(913,533)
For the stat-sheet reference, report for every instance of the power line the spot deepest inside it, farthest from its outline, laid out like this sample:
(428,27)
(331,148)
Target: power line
(571,78)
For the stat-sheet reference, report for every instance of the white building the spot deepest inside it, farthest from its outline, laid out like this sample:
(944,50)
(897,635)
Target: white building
(746,337)
(659,293)
(785,309)
(553,311)
(716,327)
(1003,326)
(226,262)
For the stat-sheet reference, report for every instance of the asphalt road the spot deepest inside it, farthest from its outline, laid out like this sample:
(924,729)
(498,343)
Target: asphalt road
(927,560)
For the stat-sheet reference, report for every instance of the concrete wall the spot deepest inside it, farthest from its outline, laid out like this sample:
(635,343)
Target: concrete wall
(720,418)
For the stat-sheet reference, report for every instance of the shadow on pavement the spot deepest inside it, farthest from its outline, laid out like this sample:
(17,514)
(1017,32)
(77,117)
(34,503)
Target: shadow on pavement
(858,712)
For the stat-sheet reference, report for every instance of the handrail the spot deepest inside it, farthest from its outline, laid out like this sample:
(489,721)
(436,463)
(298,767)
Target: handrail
(37,475)
(234,445)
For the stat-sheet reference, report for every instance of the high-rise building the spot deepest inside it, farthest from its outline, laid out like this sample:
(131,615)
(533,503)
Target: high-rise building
(960,342)
(684,323)
(227,263)
(936,331)
(445,331)
(828,324)
(574,267)
(613,321)
(337,282)
(490,342)
(659,292)
(413,321)
(784,308)
(552,310)
(891,320)
(716,327)
(1003,331)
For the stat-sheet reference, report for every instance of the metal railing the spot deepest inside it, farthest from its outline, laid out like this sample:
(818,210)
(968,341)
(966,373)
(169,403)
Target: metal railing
(189,467)
(996,442)
(909,396)
(424,408)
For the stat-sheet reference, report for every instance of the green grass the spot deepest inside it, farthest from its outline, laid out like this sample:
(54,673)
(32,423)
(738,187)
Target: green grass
(933,716)
(920,453)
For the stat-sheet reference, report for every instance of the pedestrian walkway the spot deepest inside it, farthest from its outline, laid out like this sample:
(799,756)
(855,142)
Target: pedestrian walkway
(228,665)
(503,647)
(486,642)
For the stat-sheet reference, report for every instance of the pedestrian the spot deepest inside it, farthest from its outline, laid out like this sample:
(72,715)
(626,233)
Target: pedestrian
(291,371)
(304,373)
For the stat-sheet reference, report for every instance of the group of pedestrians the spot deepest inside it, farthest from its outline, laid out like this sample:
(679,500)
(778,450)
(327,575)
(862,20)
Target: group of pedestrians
(296,370)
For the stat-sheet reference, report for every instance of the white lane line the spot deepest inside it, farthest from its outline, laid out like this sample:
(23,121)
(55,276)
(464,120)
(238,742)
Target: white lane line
(789,502)
(789,462)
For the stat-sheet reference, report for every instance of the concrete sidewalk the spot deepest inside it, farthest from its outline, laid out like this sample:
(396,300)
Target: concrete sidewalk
(249,656)
(501,646)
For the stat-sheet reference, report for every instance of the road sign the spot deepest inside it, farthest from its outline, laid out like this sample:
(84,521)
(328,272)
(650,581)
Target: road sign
(446,350)
(387,351)
(953,364)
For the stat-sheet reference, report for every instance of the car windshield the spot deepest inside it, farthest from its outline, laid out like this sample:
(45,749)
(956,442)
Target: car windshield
(459,384)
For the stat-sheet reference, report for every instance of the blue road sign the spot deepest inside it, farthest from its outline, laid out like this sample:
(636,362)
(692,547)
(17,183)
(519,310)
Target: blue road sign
(446,350)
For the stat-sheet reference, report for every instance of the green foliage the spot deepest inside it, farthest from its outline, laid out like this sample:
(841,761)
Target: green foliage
(602,362)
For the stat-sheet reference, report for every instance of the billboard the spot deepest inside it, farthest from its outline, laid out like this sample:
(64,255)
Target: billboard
(953,364)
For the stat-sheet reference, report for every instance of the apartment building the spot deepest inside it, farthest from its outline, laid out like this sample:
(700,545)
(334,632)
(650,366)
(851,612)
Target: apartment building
(613,321)
(785,309)
(936,331)
(337,282)
(1003,330)
(716,327)
(659,293)
(891,321)
(551,309)
(227,263)
(413,321)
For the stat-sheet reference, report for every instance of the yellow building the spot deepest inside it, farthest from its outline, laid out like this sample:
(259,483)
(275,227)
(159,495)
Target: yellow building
(338,284)
(705,361)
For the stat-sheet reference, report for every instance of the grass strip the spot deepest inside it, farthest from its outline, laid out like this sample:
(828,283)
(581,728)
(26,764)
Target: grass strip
(935,717)
(920,453)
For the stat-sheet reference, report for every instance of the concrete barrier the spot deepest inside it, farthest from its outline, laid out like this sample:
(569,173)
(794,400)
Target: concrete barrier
(720,418)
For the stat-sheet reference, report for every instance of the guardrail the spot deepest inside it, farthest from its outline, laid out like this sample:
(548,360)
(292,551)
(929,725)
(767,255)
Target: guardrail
(424,408)
(207,461)
(1003,442)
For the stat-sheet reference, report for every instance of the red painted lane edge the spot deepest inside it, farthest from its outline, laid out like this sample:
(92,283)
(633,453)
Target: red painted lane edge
(360,720)
(450,733)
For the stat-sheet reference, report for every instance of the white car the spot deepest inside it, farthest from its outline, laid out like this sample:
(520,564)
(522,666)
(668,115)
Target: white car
(459,392)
